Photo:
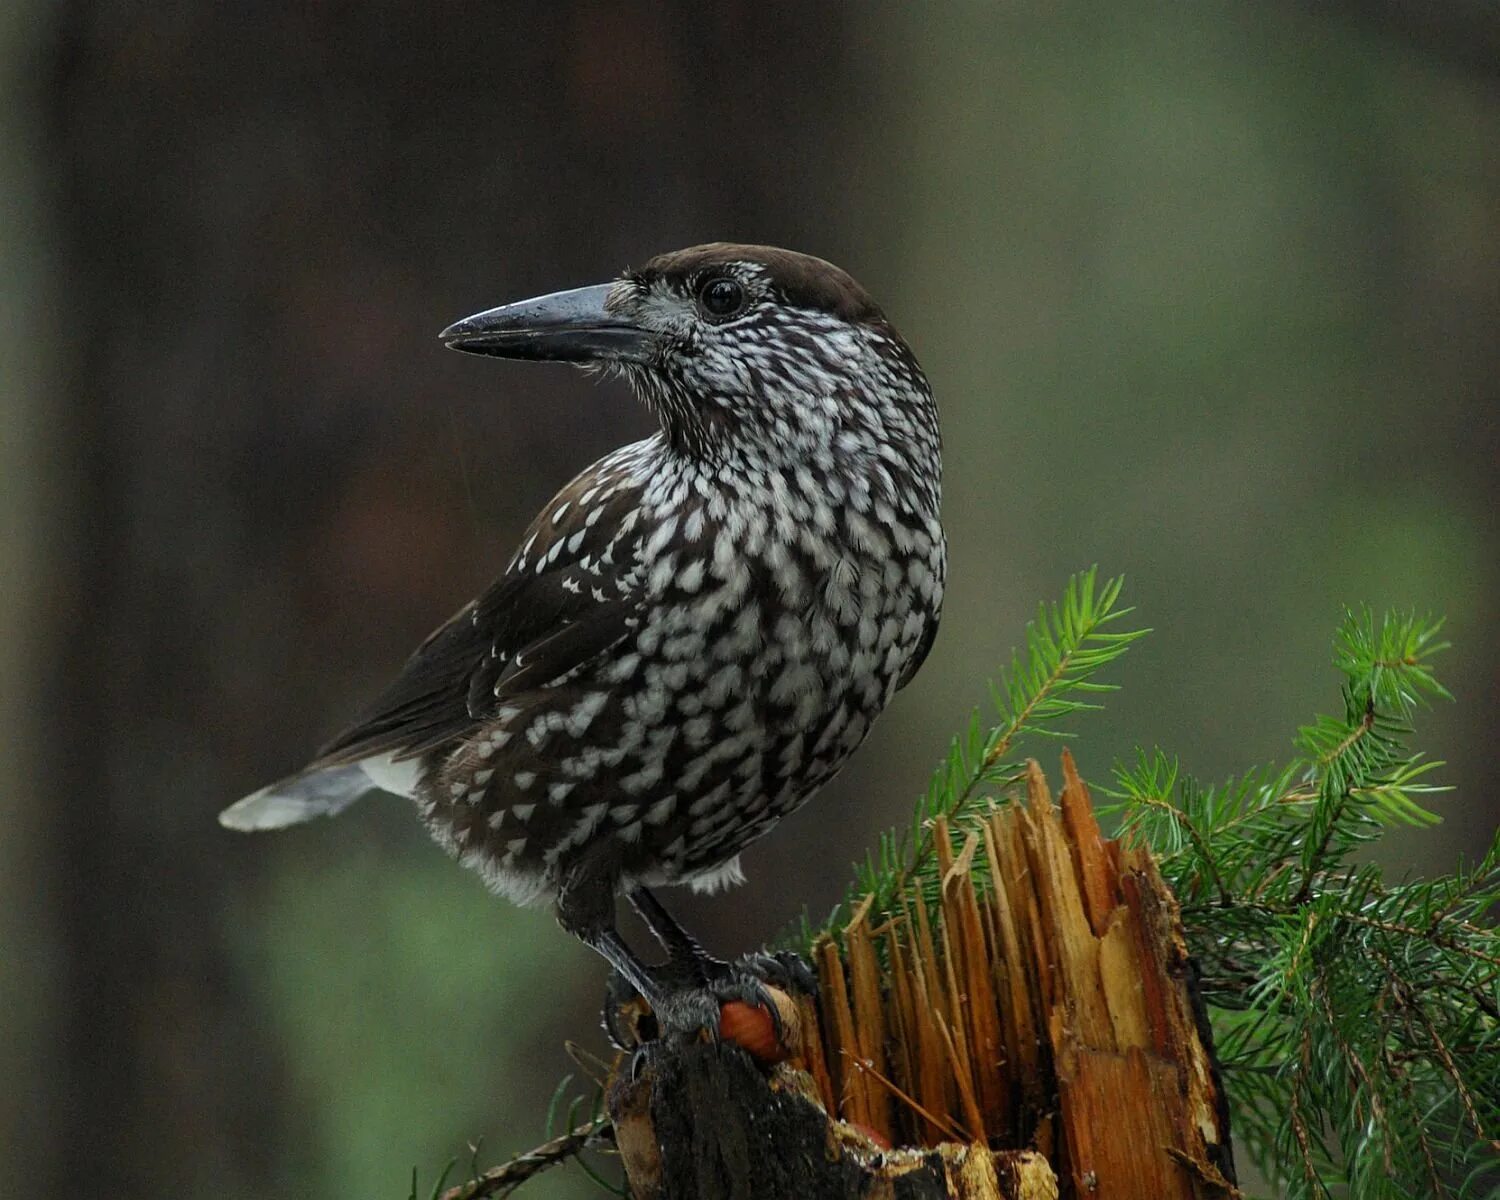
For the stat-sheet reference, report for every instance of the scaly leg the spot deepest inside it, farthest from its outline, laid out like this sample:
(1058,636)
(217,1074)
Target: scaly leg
(686,991)
(681,946)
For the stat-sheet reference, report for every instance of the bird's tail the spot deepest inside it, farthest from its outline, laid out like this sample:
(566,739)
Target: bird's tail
(321,792)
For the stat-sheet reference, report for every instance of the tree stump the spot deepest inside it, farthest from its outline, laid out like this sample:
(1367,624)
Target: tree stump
(1031,1032)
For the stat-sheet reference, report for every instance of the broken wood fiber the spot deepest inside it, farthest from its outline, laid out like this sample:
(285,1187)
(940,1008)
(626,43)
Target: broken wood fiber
(1030,1031)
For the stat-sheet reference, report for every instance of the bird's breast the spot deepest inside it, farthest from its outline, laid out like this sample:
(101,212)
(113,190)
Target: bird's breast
(799,614)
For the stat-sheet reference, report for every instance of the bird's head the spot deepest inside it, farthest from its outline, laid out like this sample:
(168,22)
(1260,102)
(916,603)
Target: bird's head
(731,345)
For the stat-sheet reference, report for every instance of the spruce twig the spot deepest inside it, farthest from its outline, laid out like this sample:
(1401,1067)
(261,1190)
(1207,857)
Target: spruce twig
(508,1176)
(1354,1015)
(1065,646)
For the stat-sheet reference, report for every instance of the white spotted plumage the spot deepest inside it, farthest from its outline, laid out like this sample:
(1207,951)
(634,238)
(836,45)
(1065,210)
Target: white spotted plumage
(771,626)
(701,628)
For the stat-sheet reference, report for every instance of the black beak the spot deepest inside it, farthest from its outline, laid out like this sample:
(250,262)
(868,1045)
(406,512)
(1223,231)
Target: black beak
(573,326)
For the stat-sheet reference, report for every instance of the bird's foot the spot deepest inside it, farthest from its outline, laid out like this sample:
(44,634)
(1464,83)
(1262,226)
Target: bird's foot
(749,1002)
(783,969)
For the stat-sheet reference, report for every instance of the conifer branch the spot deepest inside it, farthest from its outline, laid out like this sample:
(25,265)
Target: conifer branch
(1353,1016)
(1065,646)
(510,1175)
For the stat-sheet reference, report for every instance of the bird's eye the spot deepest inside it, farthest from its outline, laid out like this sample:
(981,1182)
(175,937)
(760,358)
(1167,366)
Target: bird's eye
(721,297)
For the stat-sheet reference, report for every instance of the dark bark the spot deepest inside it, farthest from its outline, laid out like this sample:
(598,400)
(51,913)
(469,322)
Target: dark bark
(703,1121)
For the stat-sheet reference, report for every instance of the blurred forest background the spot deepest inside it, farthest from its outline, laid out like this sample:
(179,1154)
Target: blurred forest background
(1209,294)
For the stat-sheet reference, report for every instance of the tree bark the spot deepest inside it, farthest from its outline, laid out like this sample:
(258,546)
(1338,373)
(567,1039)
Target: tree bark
(1032,1033)
(703,1120)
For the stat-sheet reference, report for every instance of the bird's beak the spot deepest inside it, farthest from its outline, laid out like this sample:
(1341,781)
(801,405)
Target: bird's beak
(575,326)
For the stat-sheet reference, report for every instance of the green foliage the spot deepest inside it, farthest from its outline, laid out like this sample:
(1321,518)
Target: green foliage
(1357,1020)
(437,1188)
(578,1104)
(1053,678)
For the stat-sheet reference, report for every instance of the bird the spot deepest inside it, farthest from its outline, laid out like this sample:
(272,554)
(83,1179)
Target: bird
(696,633)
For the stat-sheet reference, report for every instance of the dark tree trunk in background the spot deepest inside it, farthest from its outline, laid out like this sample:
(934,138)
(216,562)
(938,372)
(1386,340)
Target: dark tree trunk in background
(268,212)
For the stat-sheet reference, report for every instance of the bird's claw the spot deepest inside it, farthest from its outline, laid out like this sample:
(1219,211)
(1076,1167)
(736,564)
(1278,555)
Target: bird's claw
(784,969)
(628,1019)
(640,1060)
(690,1002)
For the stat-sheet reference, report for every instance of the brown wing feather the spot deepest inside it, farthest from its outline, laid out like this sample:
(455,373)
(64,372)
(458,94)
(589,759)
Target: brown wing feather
(416,711)
(568,595)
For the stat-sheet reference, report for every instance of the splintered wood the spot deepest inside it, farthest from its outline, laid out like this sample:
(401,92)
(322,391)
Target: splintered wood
(1044,1004)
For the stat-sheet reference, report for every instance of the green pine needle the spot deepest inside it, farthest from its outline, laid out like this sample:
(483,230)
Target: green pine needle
(1065,646)
(1357,1020)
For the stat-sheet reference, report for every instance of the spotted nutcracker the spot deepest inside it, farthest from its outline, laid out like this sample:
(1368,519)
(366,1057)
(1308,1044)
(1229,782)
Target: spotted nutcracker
(697,632)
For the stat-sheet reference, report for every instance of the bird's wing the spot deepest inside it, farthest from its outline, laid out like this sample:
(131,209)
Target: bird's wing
(924,647)
(569,594)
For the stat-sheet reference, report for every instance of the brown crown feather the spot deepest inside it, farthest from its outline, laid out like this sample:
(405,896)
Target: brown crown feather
(804,280)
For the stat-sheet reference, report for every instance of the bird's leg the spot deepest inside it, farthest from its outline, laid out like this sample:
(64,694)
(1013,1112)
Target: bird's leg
(608,943)
(783,969)
(681,946)
(686,992)
(586,909)
(743,980)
